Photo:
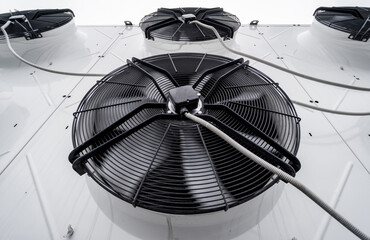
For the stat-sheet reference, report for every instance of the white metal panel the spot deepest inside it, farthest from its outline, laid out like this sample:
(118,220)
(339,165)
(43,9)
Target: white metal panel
(30,96)
(333,151)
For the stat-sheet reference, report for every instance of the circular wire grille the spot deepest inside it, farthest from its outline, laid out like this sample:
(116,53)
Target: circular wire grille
(353,20)
(173,24)
(127,141)
(38,21)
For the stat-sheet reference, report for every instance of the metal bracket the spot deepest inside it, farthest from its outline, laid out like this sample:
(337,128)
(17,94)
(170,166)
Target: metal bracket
(28,34)
(32,35)
(363,34)
(254,23)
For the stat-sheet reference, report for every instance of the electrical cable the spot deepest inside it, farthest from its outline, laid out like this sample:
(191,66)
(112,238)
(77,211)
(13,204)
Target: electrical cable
(39,67)
(277,66)
(331,111)
(283,175)
(294,73)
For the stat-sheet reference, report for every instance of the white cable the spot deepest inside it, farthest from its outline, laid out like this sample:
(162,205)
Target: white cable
(294,73)
(331,111)
(39,67)
(283,175)
(277,66)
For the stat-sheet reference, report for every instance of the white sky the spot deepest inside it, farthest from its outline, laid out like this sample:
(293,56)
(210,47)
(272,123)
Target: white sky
(109,12)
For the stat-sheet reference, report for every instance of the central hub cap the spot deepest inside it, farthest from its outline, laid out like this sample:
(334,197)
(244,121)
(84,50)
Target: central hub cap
(188,17)
(183,97)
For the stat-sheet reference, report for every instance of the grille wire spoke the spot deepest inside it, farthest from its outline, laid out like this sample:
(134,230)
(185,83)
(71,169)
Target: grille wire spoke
(218,81)
(173,24)
(78,163)
(293,159)
(269,157)
(74,155)
(215,69)
(150,76)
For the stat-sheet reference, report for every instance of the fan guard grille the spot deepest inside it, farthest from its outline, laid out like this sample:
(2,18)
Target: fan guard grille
(41,20)
(126,140)
(173,24)
(353,20)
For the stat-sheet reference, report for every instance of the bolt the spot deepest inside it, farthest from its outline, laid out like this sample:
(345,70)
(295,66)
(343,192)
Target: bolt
(69,232)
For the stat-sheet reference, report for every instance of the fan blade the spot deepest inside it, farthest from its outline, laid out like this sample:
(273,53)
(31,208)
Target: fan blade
(129,163)
(122,106)
(211,181)
(236,173)
(250,105)
(183,173)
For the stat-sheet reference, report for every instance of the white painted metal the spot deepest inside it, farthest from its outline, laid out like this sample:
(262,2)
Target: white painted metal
(217,225)
(40,194)
(159,46)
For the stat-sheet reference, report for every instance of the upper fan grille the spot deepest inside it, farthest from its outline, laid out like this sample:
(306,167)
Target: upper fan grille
(38,21)
(353,20)
(173,24)
(129,142)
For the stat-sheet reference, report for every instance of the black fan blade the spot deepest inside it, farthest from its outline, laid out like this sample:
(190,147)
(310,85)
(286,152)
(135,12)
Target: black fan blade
(192,177)
(129,163)
(120,107)
(190,180)
(236,173)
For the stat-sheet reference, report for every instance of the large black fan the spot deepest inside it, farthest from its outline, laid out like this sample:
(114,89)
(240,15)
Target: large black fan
(31,23)
(174,24)
(353,20)
(130,138)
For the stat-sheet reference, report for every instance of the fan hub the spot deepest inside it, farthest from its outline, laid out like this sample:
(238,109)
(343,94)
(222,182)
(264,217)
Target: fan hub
(184,98)
(188,17)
